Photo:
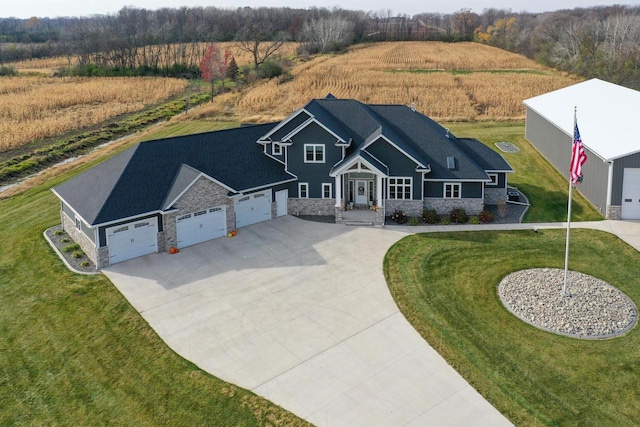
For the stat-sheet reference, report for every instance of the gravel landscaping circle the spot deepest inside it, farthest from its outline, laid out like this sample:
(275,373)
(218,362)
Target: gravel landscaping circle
(591,309)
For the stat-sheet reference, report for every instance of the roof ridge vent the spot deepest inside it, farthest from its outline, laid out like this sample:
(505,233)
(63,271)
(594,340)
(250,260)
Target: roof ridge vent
(413,107)
(447,129)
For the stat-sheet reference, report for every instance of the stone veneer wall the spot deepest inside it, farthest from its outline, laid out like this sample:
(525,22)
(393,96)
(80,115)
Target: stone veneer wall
(493,195)
(87,246)
(324,207)
(444,206)
(409,207)
(614,212)
(103,257)
(202,194)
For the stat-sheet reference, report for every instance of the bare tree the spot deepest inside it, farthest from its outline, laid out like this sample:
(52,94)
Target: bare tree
(327,33)
(258,36)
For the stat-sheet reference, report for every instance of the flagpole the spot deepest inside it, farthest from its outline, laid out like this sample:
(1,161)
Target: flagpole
(566,252)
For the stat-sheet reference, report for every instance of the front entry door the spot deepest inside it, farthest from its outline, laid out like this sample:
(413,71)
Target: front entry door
(361,192)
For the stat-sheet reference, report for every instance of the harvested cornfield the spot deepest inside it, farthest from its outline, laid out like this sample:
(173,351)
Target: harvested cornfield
(446,81)
(38,107)
(167,56)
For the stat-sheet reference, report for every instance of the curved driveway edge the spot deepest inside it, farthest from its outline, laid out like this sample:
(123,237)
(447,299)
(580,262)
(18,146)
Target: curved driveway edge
(299,312)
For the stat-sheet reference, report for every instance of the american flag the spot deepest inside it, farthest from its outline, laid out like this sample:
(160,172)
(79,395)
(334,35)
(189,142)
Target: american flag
(578,157)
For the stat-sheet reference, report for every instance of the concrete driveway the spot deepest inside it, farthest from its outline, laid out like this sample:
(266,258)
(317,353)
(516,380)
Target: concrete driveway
(299,312)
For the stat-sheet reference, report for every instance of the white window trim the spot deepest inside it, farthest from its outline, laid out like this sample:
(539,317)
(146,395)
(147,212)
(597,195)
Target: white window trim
(306,188)
(277,149)
(493,182)
(396,185)
(453,185)
(315,153)
(326,185)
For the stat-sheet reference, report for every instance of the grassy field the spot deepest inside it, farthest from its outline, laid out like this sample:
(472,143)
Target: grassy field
(446,81)
(545,187)
(72,350)
(445,284)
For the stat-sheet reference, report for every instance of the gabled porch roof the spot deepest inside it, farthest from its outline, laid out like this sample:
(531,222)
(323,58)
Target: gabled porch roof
(362,161)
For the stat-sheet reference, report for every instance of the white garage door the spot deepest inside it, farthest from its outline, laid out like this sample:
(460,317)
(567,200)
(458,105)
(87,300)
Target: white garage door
(631,194)
(197,227)
(253,208)
(132,240)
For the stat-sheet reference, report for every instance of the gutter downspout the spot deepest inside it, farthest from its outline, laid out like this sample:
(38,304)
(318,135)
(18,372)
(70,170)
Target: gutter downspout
(609,188)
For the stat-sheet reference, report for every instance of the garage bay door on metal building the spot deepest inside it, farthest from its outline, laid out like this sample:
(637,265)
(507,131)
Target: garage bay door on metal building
(631,194)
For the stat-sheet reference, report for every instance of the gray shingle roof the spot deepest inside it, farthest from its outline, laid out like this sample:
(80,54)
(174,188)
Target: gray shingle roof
(484,156)
(417,135)
(143,178)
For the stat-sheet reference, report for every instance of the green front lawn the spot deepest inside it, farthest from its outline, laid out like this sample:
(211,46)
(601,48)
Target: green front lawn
(546,188)
(446,286)
(73,351)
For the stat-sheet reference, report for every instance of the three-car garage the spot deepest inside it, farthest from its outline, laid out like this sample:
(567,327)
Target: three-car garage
(134,239)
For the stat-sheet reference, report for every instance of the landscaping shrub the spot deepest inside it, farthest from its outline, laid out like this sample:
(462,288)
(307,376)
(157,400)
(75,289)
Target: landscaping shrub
(444,220)
(414,221)
(71,247)
(430,216)
(399,217)
(58,232)
(269,69)
(77,254)
(486,217)
(65,240)
(474,219)
(458,216)
(84,263)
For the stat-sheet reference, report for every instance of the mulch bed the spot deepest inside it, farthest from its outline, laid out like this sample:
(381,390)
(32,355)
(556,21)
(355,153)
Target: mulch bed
(59,239)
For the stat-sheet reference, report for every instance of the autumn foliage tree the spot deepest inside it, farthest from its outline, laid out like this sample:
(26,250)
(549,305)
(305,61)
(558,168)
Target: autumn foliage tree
(214,65)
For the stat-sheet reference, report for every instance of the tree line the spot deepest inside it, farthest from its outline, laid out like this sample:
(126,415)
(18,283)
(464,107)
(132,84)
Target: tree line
(599,42)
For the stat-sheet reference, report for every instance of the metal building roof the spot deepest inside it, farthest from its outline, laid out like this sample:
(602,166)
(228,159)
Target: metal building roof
(607,115)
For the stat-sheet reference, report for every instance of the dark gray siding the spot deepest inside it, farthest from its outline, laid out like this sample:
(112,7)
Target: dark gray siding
(470,190)
(433,189)
(313,173)
(555,146)
(399,164)
(502,181)
(632,161)
(289,127)
(277,156)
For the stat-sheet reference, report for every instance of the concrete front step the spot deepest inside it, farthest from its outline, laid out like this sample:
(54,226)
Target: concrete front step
(360,223)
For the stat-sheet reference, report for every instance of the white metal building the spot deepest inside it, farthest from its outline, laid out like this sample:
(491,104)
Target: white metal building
(607,119)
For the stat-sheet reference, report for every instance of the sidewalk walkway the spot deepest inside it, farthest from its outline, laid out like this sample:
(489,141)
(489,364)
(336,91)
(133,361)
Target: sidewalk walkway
(628,231)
